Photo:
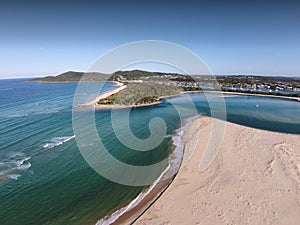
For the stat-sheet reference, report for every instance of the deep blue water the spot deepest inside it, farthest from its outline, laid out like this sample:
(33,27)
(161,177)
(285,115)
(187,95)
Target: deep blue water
(43,176)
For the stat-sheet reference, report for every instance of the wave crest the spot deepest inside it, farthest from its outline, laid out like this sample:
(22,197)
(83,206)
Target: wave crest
(56,141)
(11,169)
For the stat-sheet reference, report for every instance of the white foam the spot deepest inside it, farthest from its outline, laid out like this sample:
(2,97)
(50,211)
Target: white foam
(21,161)
(24,167)
(11,168)
(171,170)
(58,141)
(132,204)
(13,176)
(17,115)
(169,136)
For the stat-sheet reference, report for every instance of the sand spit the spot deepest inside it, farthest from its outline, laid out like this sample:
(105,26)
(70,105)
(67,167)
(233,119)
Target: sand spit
(255,179)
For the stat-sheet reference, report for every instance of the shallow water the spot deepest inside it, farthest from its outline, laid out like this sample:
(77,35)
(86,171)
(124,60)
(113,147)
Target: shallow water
(43,176)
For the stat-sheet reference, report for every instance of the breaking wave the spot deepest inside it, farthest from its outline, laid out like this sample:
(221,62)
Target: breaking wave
(11,169)
(58,141)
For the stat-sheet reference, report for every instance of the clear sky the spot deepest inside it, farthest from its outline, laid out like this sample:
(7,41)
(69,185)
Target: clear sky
(232,37)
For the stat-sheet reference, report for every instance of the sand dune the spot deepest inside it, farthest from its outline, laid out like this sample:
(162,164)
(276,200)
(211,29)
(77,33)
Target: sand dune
(255,179)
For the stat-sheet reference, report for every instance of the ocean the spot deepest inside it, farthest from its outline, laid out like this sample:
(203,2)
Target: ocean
(44,179)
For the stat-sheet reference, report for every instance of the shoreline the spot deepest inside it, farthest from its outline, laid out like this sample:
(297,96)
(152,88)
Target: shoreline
(245,184)
(93,103)
(98,106)
(138,206)
(121,86)
(259,95)
(137,212)
(128,213)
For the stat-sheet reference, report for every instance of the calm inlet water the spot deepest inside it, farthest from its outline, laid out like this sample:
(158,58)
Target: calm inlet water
(43,176)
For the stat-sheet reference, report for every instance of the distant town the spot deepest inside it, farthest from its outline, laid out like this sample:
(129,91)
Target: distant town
(270,85)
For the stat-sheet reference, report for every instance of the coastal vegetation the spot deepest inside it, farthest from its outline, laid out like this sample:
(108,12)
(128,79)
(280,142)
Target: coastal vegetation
(144,87)
(271,82)
(140,93)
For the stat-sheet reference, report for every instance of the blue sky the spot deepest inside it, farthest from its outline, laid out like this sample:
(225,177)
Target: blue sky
(232,37)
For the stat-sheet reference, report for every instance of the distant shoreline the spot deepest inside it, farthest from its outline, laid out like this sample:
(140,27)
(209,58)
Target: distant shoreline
(254,94)
(93,103)
(279,86)
(121,86)
(104,95)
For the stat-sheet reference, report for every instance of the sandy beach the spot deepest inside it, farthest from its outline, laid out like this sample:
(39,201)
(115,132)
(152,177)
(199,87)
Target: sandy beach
(93,103)
(104,95)
(255,179)
(109,93)
(121,86)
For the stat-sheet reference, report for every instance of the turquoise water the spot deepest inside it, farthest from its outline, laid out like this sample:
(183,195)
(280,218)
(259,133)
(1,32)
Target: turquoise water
(43,176)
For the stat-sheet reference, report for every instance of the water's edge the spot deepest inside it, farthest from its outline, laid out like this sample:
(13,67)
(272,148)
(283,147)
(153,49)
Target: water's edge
(138,206)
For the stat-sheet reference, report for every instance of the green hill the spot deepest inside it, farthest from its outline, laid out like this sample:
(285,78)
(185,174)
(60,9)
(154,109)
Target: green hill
(72,76)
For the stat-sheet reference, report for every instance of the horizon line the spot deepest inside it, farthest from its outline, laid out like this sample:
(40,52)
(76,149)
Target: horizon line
(220,74)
